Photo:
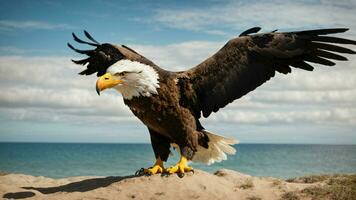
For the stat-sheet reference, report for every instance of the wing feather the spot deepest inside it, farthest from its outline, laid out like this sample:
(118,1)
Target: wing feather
(246,62)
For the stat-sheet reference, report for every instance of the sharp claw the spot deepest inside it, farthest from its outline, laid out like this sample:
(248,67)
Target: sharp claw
(139,172)
(149,171)
(180,175)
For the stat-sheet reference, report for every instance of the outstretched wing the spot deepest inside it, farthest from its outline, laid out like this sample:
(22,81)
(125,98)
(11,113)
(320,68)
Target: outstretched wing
(104,55)
(246,62)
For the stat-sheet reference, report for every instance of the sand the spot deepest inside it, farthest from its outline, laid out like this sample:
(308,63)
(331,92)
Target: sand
(224,184)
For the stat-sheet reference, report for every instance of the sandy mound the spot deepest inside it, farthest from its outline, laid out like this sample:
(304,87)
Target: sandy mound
(224,184)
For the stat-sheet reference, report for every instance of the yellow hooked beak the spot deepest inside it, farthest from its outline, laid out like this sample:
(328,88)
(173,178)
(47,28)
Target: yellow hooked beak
(106,81)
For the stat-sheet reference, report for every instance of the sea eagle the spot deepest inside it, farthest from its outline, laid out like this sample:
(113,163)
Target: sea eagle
(171,103)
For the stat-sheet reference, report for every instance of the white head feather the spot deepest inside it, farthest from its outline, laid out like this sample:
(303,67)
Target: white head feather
(138,79)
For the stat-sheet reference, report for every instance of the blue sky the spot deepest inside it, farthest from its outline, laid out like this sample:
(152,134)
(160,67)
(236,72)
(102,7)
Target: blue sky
(49,22)
(43,98)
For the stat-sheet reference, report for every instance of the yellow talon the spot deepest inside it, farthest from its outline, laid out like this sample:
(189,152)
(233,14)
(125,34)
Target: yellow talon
(155,169)
(180,167)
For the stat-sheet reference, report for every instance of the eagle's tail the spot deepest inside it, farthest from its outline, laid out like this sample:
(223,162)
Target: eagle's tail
(219,146)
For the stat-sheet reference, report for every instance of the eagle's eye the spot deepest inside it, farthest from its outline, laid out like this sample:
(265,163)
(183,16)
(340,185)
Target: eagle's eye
(121,73)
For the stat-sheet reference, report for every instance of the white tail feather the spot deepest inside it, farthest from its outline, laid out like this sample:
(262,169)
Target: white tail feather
(219,146)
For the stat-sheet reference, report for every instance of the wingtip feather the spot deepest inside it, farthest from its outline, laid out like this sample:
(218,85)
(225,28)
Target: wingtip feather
(90,37)
(249,31)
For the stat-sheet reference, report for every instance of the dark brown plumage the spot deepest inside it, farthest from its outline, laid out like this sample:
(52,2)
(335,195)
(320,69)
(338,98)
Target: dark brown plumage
(247,62)
(240,66)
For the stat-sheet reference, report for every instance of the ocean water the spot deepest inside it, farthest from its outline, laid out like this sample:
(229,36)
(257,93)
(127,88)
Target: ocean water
(59,160)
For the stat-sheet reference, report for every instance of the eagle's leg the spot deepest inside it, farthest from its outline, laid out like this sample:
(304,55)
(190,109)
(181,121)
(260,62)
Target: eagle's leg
(180,168)
(160,145)
(186,147)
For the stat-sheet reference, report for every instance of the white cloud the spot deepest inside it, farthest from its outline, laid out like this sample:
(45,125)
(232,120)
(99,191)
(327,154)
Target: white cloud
(340,77)
(49,89)
(11,50)
(179,56)
(237,15)
(41,71)
(343,97)
(30,24)
(330,116)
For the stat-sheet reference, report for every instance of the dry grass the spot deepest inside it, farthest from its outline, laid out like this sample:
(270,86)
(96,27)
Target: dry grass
(290,196)
(340,187)
(310,179)
(330,187)
(276,183)
(254,198)
(220,173)
(247,185)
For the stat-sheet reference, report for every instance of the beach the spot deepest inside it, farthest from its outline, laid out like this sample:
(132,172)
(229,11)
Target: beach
(223,184)
(105,171)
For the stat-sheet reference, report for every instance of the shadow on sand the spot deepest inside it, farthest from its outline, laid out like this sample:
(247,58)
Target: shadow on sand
(18,195)
(80,186)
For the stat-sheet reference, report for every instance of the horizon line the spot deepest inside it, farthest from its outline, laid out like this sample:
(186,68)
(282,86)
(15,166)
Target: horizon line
(63,142)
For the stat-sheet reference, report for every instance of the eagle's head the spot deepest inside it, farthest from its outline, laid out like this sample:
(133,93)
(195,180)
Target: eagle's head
(114,65)
(130,78)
